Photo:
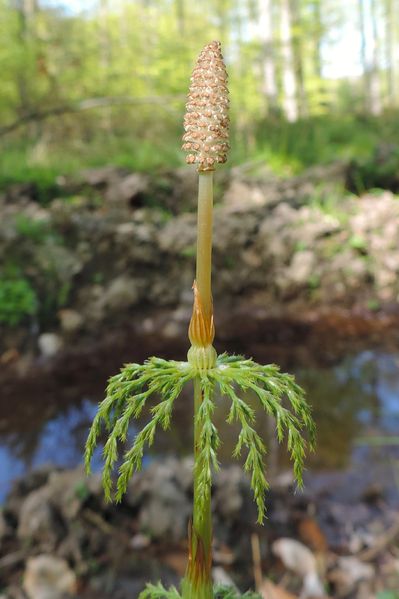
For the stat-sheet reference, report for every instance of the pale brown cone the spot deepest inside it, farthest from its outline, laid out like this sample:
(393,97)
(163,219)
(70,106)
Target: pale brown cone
(206,122)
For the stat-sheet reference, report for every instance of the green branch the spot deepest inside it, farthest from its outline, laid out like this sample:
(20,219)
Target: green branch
(126,396)
(128,392)
(208,443)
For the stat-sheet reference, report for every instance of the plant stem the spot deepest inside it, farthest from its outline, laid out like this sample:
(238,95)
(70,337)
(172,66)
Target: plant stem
(204,239)
(202,522)
(197,583)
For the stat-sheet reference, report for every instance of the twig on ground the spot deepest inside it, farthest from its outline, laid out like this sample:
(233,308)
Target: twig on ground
(257,561)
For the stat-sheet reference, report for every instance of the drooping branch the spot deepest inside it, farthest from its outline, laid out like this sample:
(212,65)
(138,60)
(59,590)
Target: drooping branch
(87,104)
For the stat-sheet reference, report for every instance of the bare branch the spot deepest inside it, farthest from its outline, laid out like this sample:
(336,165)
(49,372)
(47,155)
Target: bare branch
(88,104)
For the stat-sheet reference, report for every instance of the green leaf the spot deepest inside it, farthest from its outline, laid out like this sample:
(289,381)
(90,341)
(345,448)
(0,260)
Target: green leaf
(158,591)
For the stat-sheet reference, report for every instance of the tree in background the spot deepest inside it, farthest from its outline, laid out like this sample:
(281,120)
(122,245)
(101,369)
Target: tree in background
(121,67)
(390,51)
(288,75)
(375,88)
(266,22)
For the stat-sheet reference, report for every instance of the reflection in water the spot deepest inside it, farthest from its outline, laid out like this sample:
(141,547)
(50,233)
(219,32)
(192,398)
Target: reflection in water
(338,396)
(58,441)
(358,396)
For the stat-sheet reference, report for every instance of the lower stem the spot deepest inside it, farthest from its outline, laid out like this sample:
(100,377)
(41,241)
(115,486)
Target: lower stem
(197,583)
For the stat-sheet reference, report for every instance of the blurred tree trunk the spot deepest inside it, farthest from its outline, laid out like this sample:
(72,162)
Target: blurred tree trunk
(363,55)
(26,10)
(375,87)
(269,81)
(289,81)
(297,34)
(318,32)
(104,39)
(222,11)
(317,38)
(104,42)
(180,16)
(390,52)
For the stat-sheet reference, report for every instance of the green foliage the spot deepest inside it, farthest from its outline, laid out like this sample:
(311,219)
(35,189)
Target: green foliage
(314,281)
(357,242)
(373,304)
(290,147)
(126,396)
(128,392)
(379,170)
(223,592)
(189,251)
(36,230)
(37,254)
(157,591)
(286,148)
(208,443)
(271,387)
(17,166)
(82,491)
(329,202)
(17,300)
(19,163)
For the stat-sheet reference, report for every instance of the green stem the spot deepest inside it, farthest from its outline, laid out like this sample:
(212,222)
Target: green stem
(202,522)
(197,583)
(204,239)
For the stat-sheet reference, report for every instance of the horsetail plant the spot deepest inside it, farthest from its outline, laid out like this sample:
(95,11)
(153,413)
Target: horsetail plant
(206,125)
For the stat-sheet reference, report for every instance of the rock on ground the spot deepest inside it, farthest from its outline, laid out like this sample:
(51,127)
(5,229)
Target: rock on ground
(48,577)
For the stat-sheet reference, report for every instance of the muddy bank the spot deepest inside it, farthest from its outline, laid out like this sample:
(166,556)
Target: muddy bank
(292,336)
(118,249)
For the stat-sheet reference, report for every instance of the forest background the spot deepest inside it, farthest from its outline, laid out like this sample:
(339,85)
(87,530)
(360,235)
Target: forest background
(89,83)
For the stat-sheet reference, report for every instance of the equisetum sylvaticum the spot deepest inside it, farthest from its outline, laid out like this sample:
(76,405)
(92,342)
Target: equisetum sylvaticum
(231,378)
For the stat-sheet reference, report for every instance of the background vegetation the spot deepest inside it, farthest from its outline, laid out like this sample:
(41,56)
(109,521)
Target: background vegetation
(87,83)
